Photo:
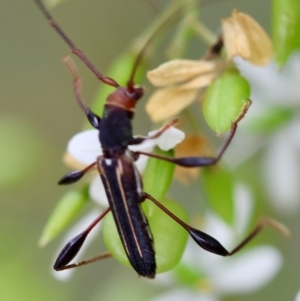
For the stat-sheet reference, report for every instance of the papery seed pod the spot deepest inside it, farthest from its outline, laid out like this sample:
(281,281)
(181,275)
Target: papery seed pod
(178,71)
(244,37)
(166,103)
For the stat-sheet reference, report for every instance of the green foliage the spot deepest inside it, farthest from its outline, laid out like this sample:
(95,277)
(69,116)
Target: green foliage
(271,120)
(20,282)
(169,237)
(187,275)
(224,100)
(68,208)
(285,28)
(19,152)
(219,185)
(158,175)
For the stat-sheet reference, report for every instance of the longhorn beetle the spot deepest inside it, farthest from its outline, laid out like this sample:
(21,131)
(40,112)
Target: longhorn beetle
(120,177)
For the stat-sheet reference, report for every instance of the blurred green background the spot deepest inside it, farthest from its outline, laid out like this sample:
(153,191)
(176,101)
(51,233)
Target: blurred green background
(39,115)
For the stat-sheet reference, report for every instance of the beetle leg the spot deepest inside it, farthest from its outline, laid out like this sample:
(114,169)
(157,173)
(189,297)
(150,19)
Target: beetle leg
(74,245)
(74,176)
(139,140)
(209,243)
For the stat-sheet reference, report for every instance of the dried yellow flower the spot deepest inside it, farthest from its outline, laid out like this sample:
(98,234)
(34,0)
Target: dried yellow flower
(190,77)
(177,71)
(243,36)
(166,103)
(191,146)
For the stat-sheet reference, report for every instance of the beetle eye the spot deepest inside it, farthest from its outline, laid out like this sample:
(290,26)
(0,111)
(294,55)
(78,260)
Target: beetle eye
(136,94)
(139,93)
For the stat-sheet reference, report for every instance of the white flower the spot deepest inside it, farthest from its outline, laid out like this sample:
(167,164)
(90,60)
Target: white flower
(85,147)
(273,88)
(242,273)
(298,296)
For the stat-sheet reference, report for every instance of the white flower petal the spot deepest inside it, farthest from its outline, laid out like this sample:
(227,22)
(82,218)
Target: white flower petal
(263,80)
(184,295)
(243,206)
(85,147)
(75,230)
(270,84)
(141,163)
(218,229)
(290,79)
(247,145)
(298,296)
(281,174)
(147,146)
(293,131)
(169,139)
(97,192)
(164,280)
(247,272)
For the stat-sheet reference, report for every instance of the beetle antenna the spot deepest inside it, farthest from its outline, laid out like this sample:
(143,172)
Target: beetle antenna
(107,80)
(167,23)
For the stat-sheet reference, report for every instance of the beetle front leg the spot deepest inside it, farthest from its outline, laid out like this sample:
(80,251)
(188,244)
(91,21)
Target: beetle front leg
(93,118)
(139,140)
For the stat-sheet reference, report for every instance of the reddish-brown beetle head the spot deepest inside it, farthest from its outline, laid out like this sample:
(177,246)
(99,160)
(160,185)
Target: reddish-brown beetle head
(124,98)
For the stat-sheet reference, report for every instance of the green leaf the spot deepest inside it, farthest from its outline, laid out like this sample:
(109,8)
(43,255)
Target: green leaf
(169,238)
(218,186)
(187,275)
(285,28)
(271,120)
(69,207)
(158,175)
(224,100)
